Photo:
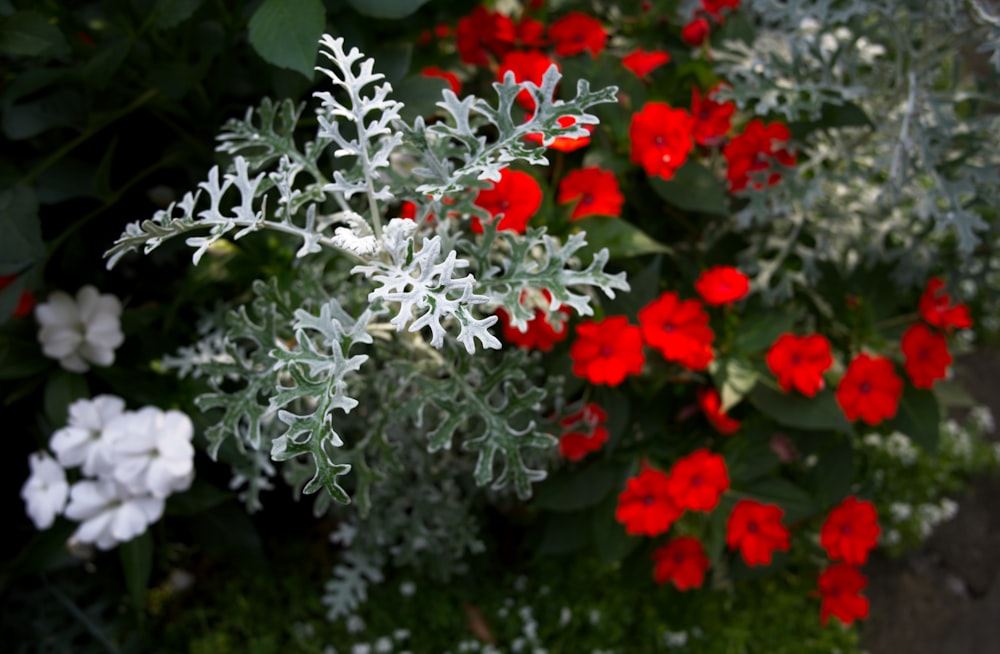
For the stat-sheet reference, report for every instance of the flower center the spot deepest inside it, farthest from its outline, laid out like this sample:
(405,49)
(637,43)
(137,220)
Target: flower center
(587,200)
(752,527)
(606,351)
(648,500)
(697,481)
(865,388)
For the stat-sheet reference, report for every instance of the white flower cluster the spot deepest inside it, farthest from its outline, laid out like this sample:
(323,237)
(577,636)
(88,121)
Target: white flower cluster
(80,332)
(130,462)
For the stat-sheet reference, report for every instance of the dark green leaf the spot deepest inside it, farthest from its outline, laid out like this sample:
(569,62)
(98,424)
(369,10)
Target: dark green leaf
(693,188)
(749,457)
(28,33)
(620,237)
(760,331)
(714,537)
(819,413)
(21,242)
(418,95)
(170,13)
(573,490)
(919,417)
(833,474)
(45,551)
(60,108)
(386,8)
(227,531)
(609,536)
(62,389)
(201,497)
(797,503)
(137,565)
(563,533)
(286,33)
(102,66)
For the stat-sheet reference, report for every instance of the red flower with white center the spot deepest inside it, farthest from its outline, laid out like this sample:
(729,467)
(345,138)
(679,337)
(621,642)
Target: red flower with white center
(936,307)
(482,33)
(756,150)
(517,196)
(841,586)
(25,302)
(563,143)
(661,138)
(712,119)
(715,7)
(696,32)
(799,362)
(595,192)
(607,351)
(927,356)
(698,480)
(682,562)
(679,330)
(448,76)
(577,32)
(850,531)
(642,63)
(755,529)
(544,330)
(527,66)
(645,507)
(869,390)
(722,285)
(587,432)
(710,404)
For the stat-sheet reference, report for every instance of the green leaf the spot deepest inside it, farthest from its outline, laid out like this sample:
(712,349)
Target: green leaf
(170,13)
(735,378)
(30,34)
(62,389)
(610,539)
(576,489)
(819,413)
(833,474)
(749,457)
(564,533)
(386,8)
(620,237)
(201,497)
(714,537)
(693,188)
(102,66)
(286,33)
(919,417)
(797,503)
(60,108)
(137,565)
(418,94)
(760,331)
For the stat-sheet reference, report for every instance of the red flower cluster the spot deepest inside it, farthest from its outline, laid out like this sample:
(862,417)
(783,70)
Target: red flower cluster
(869,390)
(799,362)
(927,356)
(517,196)
(607,351)
(712,119)
(645,506)
(642,63)
(679,330)
(661,138)
(936,307)
(682,562)
(841,586)
(755,529)
(448,76)
(722,285)
(753,151)
(527,66)
(698,480)
(588,432)
(26,301)
(710,404)
(850,531)
(596,191)
(482,33)
(544,330)
(715,7)
(577,32)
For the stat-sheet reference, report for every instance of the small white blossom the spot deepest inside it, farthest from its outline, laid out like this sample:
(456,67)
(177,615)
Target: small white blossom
(45,491)
(900,511)
(407,588)
(355,624)
(899,446)
(80,332)
(152,451)
(982,418)
(81,442)
(108,513)
(383,645)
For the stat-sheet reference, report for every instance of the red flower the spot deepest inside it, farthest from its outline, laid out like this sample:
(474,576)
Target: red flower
(799,362)
(712,119)
(661,138)
(695,32)
(26,301)
(936,307)
(711,405)
(597,191)
(756,530)
(697,480)
(927,356)
(645,507)
(678,330)
(588,435)
(642,63)
(870,389)
(530,33)
(408,210)
(722,285)
(564,143)
(543,331)
(448,76)
(517,196)
(681,561)
(841,587)
(527,66)
(482,33)
(715,7)
(606,351)
(850,531)
(576,32)
(753,151)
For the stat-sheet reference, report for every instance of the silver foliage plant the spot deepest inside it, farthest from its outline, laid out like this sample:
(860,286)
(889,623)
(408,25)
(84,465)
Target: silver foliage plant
(380,342)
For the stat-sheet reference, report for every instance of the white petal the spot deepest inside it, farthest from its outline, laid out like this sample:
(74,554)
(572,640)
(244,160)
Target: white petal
(95,529)
(128,522)
(74,363)
(72,444)
(58,311)
(58,342)
(89,498)
(86,299)
(99,356)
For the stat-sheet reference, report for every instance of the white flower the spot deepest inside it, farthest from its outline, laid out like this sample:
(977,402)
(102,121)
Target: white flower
(82,441)
(79,331)
(45,491)
(152,451)
(108,513)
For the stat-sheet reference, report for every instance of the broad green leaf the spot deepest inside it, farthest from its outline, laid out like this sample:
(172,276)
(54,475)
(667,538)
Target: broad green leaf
(714,538)
(21,242)
(819,413)
(919,417)
(30,34)
(386,8)
(576,489)
(735,378)
(102,66)
(565,532)
(610,539)
(693,188)
(201,497)
(137,566)
(749,457)
(418,94)
(759,332)
(59,108)
(797,503)
(286,33)
(833,473)
(170,13)
(62,389)
(620,237)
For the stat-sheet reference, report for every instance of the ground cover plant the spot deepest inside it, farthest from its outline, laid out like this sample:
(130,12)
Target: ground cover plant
(481,323)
